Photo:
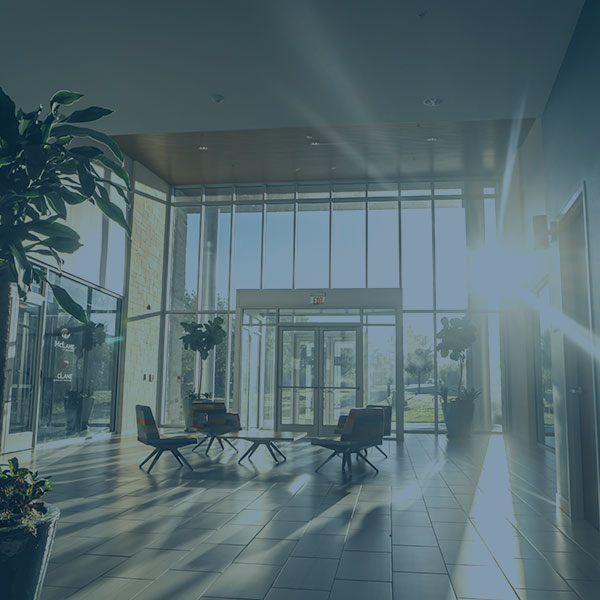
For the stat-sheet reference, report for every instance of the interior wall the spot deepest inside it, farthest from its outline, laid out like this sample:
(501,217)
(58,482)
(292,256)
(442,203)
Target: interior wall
(514,316)
(570,124)
(144,323)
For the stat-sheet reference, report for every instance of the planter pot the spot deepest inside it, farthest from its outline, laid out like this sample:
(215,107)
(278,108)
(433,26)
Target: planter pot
(187,412)
(24,557)
(87,405)
(458,417)
(73,404)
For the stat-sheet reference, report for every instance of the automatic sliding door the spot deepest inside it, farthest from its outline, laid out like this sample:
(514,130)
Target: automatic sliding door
(298,380)
(341,375)
(320,377)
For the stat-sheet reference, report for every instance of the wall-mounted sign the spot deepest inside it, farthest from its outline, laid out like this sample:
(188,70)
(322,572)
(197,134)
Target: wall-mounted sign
(317,299)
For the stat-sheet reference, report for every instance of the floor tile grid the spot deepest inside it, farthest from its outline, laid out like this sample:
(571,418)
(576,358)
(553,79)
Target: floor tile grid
(542,522)
(423,459)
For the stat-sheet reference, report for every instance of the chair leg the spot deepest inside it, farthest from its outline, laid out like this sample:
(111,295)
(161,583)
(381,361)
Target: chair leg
(199,443)
(212,439)
(368,462)
(349,462)
(220,443)
(327,460)
(148,457)
(182,459)
(380,450)
(160,451)
(177,457)
(229,442)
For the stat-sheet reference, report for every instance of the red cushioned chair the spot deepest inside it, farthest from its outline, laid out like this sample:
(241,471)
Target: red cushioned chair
(363,428)
(148,434)
(213,420)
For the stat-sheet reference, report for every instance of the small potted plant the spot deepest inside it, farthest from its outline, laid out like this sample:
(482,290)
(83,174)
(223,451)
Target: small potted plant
(201,338)
(456,337)
(27,528)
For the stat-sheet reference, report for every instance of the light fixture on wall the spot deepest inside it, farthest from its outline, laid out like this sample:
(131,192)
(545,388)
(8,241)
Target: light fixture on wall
(543,231)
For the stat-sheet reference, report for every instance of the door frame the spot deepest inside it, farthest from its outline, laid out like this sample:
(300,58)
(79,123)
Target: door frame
(574,505)
(335,298)
(16,442)
(319,329)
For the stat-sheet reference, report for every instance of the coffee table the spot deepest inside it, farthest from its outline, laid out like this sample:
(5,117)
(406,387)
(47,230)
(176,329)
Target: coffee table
(264,437)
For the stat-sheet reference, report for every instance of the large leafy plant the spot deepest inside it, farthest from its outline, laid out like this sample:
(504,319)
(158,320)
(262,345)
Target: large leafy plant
(201,338)
(456,336)
(20,493)
(49,162)
(41,173)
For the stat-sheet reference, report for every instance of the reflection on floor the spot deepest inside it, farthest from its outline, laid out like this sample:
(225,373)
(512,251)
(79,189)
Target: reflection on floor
(440,521)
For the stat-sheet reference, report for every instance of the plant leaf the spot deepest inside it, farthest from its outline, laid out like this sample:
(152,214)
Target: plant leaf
(86,151)
(93,113)
(71,197)
(65,97)
(86,179)
(67,303)
(53,228)
(112,211)
(116,168)
(61,130)
(9,126)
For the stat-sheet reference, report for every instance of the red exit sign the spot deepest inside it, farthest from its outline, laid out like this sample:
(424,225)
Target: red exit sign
(317,300)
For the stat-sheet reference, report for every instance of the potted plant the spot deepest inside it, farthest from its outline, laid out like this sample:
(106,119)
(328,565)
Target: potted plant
(45,169)
(79,402)
(27,528)
(201,338)
(456,337)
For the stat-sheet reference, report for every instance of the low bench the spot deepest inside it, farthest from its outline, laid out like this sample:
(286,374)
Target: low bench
(266,438)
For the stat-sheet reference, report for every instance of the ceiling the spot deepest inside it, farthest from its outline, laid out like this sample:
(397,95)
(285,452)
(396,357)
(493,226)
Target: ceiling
(287,63)
(394,151)
(359,69)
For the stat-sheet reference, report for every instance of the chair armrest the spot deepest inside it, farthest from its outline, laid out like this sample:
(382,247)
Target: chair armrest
(340,424)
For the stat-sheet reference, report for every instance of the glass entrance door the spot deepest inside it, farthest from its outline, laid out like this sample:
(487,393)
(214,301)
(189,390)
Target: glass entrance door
(22,371)
(319,377)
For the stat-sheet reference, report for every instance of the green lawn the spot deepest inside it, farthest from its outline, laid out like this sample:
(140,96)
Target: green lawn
(419,409)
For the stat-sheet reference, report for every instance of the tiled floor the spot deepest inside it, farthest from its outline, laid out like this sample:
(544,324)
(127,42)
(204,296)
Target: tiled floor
(440,521)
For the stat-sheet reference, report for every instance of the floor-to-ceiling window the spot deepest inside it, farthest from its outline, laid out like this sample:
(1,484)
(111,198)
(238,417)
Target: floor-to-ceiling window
(420,236)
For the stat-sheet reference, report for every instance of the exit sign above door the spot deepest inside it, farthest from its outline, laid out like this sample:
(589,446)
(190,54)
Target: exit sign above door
(317,299)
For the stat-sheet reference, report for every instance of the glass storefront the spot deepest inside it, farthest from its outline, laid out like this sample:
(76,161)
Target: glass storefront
(423,237)
(79,365)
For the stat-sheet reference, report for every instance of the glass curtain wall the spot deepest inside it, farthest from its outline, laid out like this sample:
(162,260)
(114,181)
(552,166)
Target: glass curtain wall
(421,236)
(79,365)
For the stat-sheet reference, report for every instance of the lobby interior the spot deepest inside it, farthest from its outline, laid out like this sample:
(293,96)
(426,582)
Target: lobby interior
(333,180)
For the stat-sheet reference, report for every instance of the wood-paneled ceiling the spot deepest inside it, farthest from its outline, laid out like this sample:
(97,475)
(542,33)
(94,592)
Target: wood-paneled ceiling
(439,150)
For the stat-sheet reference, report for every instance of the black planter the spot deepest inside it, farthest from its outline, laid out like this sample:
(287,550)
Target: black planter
(73,405)
(24,557)
(458,417)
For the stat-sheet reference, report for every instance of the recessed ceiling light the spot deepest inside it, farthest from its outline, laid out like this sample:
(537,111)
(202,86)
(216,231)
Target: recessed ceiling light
(297,169)
(432,101)
(202,147)
(432,139)
(309,137)
(218,98)
(315,143)
(333,168)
